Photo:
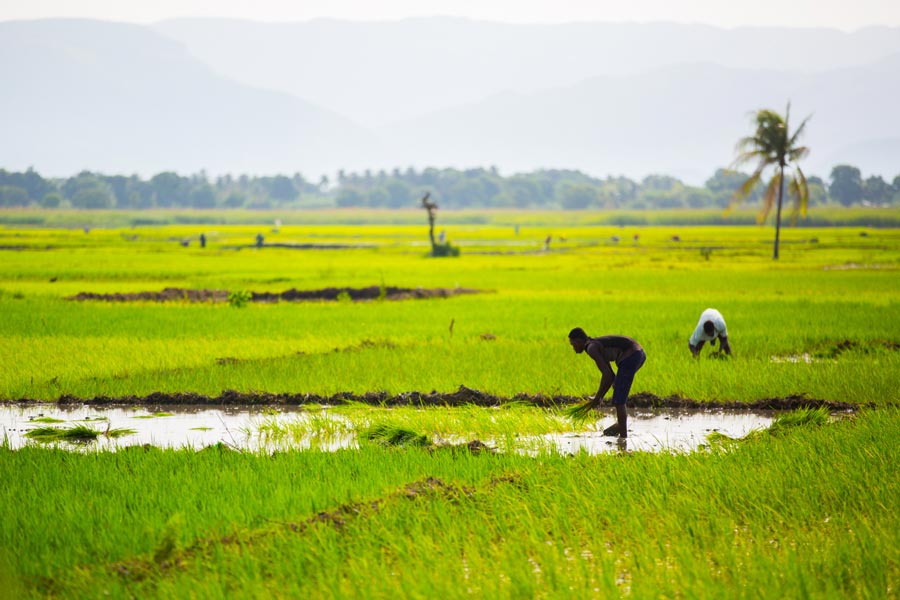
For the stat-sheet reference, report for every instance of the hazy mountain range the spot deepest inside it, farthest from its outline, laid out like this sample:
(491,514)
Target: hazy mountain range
(315,97)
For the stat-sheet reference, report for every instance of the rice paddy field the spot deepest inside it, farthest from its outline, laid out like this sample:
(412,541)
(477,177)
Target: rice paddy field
(419,505)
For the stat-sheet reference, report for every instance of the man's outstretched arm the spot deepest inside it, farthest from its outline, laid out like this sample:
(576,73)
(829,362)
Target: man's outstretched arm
(607,378)
(725,345)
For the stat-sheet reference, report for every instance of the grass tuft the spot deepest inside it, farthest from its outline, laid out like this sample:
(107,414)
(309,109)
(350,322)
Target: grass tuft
(783,424)
(804,417)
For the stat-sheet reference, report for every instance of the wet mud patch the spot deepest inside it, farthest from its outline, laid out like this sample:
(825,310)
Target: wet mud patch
(836,350)
(853,347)
(374,292)
(290,246)
(366,344)
(463,396)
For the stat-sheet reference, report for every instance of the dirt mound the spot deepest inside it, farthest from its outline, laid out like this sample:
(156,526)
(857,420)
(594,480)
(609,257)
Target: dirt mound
(836,350)
(461,397)
(167,295)
(374,292)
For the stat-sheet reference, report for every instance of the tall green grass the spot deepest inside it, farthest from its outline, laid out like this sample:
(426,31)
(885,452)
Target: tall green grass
(840,288)
(501,426)
(808,511)
(811,511)
(54,348)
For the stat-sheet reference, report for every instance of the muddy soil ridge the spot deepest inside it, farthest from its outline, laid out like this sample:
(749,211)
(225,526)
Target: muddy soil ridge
(461,397)
(374,292)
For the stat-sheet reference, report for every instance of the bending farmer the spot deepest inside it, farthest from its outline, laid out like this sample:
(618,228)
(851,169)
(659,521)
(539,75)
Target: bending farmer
(628,356)
(710,327)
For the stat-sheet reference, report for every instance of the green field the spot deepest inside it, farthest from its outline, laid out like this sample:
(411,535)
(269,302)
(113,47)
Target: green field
(804,511)
(831,287)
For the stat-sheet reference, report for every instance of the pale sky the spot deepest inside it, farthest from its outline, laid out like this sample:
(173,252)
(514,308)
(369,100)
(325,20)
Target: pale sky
(838,14)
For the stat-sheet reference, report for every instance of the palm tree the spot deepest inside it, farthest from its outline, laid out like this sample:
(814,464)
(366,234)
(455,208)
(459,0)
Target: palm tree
(774,145)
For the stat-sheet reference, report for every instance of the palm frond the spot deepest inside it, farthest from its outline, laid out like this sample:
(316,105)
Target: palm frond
(796,153)
(798,132)
(742,192)
(769,198)
(799,190)
(748,155)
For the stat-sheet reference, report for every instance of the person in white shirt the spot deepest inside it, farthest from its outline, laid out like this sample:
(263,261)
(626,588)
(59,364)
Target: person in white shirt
(710,327)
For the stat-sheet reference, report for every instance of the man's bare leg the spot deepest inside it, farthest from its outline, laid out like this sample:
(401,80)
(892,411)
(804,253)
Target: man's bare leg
(622,417)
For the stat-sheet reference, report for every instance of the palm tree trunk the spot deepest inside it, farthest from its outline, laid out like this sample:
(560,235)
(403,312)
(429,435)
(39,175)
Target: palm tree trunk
(778,212)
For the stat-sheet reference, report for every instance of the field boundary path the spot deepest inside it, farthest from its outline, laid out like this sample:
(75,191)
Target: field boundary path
(464,396)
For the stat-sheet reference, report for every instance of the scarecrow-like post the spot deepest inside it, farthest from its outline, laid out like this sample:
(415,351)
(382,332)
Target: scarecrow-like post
(431,207)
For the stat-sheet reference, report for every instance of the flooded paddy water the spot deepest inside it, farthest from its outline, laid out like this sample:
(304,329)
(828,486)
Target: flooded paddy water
(255,428)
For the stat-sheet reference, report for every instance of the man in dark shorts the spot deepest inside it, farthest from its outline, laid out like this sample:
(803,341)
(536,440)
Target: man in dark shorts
(628,355)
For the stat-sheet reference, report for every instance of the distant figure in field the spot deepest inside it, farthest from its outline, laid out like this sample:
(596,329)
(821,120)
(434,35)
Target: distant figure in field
(710,327)
(203,240)
(547,242)
(259,240)
(628,355)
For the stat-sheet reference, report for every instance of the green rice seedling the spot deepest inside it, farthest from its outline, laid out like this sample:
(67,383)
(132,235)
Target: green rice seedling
(45,420)
(317,427)
(78,433)
(583,411)
(239,298)
(169,541)
(804,417)
(719,439)
(75,434)
(842,287)
(783,424)
(510,426)
(512,419)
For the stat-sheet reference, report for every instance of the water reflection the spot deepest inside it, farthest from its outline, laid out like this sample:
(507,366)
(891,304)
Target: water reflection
(298,428)
(677,430)
(245,428)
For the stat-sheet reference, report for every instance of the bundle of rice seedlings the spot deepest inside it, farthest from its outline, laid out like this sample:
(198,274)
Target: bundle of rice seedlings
(391,435)
(76,435)
(582,412)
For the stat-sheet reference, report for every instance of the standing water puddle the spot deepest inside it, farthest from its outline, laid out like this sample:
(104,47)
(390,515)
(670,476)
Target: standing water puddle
(677,430)
(196,427)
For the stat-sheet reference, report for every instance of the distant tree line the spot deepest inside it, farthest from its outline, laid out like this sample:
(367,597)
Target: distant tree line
(452,188)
